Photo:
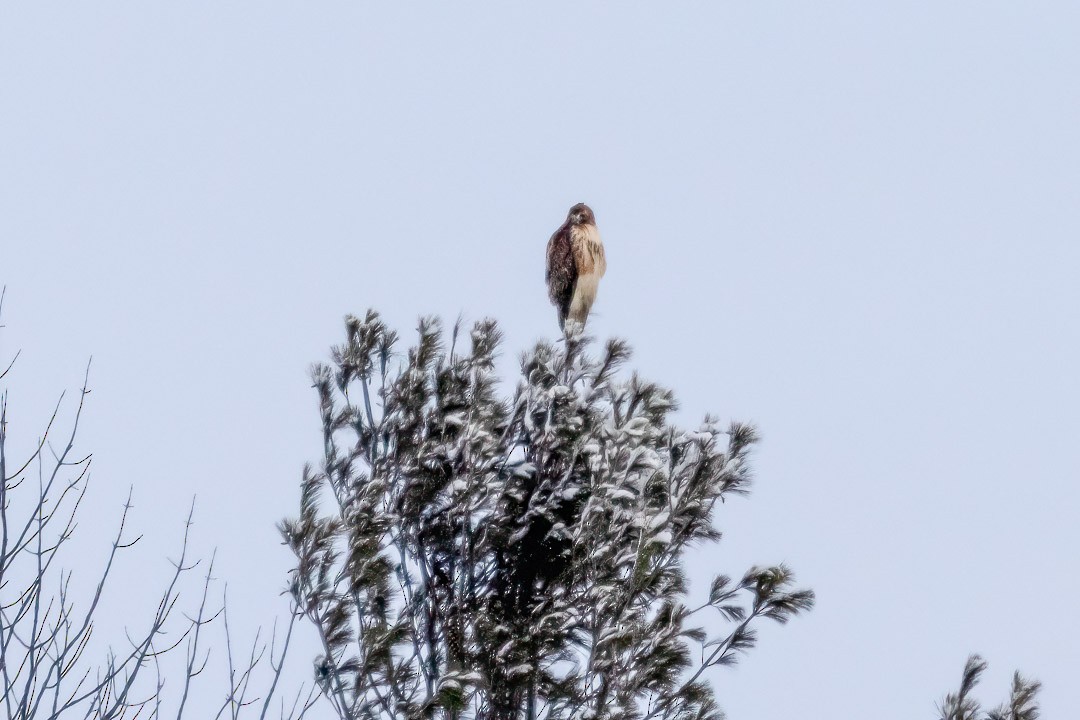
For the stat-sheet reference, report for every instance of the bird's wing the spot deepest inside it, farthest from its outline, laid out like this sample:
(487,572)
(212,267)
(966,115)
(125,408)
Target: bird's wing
(561,270)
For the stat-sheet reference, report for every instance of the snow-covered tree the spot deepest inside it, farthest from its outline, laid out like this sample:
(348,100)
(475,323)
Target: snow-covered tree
(463,554)
(960,705)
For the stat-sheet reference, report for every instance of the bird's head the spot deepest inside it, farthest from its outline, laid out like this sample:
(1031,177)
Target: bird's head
(581,214)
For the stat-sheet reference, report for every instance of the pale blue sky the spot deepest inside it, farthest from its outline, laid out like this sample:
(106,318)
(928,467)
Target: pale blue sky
(852,223)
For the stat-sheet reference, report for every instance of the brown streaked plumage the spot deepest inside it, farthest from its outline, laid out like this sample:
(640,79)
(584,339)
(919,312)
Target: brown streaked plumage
(575,264)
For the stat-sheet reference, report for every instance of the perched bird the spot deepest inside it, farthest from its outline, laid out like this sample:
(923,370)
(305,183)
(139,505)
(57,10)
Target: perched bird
(575,264)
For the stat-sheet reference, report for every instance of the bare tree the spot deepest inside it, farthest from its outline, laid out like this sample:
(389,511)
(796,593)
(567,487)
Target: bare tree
(46,629)
(497,557)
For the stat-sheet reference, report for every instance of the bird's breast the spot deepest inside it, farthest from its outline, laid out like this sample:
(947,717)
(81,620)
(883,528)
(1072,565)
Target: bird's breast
(588,251)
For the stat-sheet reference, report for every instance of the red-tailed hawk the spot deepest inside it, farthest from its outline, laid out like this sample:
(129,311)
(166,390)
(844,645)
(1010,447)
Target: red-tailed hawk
(575,264)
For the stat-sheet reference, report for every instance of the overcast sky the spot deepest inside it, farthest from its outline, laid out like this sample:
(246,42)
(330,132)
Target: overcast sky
(853,224)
